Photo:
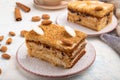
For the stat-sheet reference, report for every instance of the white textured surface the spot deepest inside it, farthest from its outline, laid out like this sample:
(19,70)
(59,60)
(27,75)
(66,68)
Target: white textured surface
(43,68)
(105,67)
(62,20)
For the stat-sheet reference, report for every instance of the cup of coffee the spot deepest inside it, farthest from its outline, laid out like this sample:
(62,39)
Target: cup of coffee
(50,2)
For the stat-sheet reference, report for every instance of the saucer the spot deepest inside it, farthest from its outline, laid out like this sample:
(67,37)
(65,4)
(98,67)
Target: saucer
(41,68)
(63,4)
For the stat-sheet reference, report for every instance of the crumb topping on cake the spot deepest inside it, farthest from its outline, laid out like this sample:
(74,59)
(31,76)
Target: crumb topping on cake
(53,34)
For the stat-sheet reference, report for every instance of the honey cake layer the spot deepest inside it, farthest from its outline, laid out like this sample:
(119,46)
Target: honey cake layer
(71,55)
(90,21)
(55,57)
(53,34)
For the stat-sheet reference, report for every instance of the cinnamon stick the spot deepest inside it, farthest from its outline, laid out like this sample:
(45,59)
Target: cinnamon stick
(18,16)
(23,7)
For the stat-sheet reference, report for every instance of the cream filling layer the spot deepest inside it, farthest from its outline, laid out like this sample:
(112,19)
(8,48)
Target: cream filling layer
(40,51)
(78,48)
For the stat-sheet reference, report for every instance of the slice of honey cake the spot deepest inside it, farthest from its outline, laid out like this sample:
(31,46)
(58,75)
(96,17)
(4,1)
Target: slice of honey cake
(56,45)
(92,14)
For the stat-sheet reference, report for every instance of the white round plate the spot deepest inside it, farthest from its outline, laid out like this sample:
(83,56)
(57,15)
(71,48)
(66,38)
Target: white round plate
(62,5)
(45,69)
(62,20)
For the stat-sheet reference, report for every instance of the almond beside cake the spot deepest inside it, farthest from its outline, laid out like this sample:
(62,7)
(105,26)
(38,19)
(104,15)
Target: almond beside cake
(92,14)
(55,45)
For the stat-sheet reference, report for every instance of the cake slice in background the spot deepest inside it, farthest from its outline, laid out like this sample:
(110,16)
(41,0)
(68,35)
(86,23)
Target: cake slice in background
(92,14)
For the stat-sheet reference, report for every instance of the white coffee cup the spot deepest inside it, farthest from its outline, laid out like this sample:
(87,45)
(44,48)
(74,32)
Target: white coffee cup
(50,2)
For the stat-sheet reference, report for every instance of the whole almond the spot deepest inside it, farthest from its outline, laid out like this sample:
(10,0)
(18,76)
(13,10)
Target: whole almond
(46,22)
(23,32)
(35,18)
(11,33)
(45,16)
(98,8)
(9,41)
(1,38)
(66,42)
(3,49)
(6,56)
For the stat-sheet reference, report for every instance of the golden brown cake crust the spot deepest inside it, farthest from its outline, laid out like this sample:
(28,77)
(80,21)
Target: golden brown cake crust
(92,8)
(53,34)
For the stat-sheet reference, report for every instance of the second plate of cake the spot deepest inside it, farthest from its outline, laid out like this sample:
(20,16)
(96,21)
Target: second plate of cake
(62,20)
